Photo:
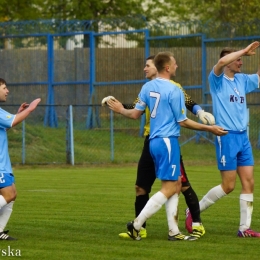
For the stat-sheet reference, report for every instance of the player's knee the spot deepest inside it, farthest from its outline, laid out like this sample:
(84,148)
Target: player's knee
(184,188)
(229,187)
(139,191)
(14,195)
(11,196)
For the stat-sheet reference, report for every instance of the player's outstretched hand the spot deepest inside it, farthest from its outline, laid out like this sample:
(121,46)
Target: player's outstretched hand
(206,118)
(249,50)
(217,130)
(34,104)
(115,105)
(105,99)
(22,107)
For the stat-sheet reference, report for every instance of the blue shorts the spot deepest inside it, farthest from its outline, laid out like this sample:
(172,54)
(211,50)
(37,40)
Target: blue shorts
(233,150)
(6,179)
(166,156)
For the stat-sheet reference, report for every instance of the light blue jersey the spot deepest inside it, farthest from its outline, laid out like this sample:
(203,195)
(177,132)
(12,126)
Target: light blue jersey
(6,121)
(229,99)
(167,107)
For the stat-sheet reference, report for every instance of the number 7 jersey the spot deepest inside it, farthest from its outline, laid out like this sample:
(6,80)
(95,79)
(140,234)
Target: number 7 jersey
(166,104)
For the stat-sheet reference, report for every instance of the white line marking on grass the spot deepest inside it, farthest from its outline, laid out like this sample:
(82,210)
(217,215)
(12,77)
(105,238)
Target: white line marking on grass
(46,190)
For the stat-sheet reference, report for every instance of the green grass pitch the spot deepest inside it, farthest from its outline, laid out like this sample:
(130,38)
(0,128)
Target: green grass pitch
(77,212)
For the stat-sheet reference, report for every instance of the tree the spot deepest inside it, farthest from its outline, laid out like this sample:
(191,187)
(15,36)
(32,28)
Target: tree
(226,11)
(220,14)
(16,10)
(68,9)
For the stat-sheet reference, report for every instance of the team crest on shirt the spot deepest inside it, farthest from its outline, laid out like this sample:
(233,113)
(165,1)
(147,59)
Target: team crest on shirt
(182,111)
(8,116)
(235,89)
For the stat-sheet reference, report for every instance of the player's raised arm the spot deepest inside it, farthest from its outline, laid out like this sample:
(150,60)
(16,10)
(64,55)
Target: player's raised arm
(26,112)
(22,107)
(226,59)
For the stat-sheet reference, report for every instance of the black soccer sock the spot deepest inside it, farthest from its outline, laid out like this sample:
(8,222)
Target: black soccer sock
(193,204)
(140,202)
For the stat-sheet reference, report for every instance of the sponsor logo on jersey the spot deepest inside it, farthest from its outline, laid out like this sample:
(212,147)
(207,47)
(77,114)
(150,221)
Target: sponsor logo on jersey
(233,98)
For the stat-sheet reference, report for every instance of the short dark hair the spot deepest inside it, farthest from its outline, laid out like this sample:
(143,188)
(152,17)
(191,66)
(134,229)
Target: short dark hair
(161,59)
(226,50)
(151,57)
(2,82)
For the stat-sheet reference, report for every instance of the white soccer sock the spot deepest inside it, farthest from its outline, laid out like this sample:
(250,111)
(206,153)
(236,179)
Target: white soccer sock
(2,201)
(246,210)
(5,214)
(151,207)
(211,197)
(171,207)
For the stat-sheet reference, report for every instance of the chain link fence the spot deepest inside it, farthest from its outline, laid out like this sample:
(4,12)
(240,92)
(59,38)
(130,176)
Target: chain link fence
(79,62)
(112,138)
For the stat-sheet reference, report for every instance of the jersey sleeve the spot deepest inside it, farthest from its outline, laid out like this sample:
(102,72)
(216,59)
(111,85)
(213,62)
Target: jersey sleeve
(142,99)
(215,81)
(6,119)
(252,82)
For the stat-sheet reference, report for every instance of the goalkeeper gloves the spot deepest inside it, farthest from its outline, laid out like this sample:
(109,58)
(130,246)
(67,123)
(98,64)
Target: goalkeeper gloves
(205,117)
(105,99)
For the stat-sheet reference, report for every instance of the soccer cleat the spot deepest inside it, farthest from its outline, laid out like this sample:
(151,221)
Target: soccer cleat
(142,234)
(180,236)
(124,235)
(248,233)
(188,221)
(132,232)
(198,231)
(4,236)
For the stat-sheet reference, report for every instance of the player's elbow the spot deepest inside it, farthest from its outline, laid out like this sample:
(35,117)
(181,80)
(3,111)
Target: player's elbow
(183,123)
(135,116)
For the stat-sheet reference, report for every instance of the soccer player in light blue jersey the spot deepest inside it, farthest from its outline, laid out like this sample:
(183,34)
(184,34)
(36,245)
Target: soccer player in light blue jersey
(228,88)
(7,186)
(167,113)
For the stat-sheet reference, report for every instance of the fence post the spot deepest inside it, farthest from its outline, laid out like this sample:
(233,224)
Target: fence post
(147,54)
(23,142)
(92,80)
(204,69)
(50,115)
(69,136)
(111,135)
